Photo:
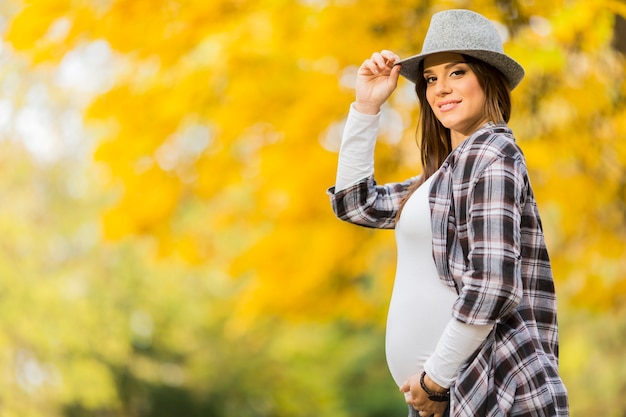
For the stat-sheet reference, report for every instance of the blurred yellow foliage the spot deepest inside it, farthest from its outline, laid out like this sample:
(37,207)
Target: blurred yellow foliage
(263,80)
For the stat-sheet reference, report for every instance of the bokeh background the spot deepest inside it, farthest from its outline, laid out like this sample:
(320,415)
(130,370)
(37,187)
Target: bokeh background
(166,245)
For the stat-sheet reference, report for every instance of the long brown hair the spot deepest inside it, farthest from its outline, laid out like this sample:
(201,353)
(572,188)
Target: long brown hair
(435,144)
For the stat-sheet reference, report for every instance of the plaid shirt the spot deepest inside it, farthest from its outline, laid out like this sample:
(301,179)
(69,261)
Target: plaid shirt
(487,244)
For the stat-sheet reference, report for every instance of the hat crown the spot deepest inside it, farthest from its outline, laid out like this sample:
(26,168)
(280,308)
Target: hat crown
(461,30)
(468,33)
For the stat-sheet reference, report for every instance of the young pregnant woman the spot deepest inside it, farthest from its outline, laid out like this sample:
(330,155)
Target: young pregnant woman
(472,327)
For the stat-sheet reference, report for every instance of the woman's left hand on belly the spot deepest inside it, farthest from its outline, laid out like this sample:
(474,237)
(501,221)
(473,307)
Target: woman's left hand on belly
(417,398)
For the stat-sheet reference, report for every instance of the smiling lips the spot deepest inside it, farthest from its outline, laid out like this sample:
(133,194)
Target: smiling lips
(445,106)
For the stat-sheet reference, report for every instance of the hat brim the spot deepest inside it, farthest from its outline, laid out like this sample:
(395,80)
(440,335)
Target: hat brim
(512,70)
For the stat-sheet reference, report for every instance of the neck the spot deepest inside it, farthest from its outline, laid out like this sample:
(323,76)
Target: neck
(456,137)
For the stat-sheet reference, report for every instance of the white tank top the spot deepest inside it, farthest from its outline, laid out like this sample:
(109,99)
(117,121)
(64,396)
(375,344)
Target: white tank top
(421,304)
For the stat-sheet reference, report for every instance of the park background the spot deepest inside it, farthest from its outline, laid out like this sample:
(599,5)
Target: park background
(166,245)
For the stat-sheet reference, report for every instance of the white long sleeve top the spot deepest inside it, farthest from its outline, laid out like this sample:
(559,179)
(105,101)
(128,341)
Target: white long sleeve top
(421,332)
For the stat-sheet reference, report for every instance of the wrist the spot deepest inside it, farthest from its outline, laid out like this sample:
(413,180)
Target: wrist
(366,108)
(434,391)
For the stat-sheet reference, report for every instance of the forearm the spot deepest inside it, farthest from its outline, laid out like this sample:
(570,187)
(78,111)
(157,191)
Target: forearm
(356,154)
(457,343)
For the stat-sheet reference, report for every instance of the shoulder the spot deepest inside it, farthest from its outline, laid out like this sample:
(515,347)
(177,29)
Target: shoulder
(488,146)
(492,143)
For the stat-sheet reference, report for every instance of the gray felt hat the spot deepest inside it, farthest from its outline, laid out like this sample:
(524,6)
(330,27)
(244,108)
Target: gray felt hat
(467,33)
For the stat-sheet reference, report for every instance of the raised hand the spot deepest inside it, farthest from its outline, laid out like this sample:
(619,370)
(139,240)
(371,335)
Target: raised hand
(376,79)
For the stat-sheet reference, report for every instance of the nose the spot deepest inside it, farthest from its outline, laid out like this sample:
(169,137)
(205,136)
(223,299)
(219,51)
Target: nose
(442,87)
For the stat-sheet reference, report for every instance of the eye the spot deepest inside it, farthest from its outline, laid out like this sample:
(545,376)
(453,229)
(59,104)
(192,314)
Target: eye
(458,73)
(430,79)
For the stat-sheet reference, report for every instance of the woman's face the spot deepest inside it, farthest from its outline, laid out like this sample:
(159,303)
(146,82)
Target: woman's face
(454,94)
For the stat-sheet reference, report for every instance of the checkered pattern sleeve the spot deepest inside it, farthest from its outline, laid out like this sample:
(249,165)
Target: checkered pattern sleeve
(368,204)
(492,281)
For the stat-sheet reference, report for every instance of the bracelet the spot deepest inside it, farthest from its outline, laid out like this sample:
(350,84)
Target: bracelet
(439,397)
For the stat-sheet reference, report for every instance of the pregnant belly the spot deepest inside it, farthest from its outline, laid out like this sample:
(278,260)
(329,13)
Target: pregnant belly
(419,311)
